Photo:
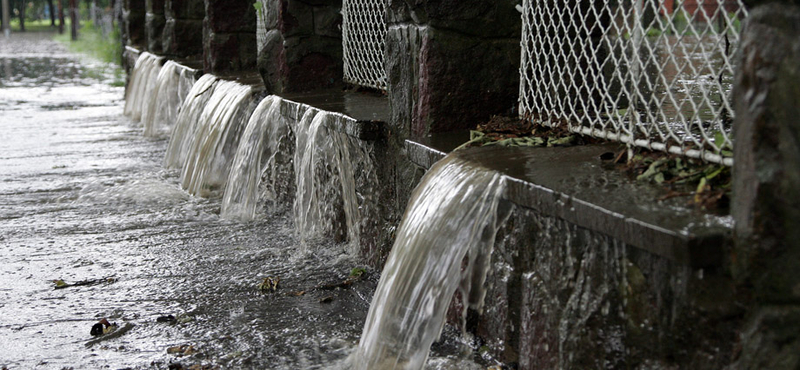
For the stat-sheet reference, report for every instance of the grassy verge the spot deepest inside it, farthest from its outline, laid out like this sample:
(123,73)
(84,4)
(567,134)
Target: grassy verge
(92,42)
(41,25)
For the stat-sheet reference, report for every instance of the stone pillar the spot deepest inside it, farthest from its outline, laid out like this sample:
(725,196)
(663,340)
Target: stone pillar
(451,64)
(154,25)
(766,184)
(299,44)
(229,35)
(133,15)
(183,28)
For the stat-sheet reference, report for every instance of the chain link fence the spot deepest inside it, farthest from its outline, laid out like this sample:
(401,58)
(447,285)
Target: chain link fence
(364,34)
(648,73)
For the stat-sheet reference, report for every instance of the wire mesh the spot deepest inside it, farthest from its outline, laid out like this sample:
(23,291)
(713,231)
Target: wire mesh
(649,73)
(364,34)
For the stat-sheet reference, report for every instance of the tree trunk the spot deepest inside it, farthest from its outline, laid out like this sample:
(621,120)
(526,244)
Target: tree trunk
(73,16)
(52,13)
(60,16)
(22,15)
(6,17)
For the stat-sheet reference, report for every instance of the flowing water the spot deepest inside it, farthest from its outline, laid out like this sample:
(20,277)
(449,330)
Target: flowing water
(85,198)
(442,245)
(172,86)
(143,81)
(255,150)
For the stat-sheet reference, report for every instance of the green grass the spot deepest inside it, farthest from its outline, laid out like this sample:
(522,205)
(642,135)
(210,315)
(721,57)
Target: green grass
(104,48)
(92,42)
(41,25)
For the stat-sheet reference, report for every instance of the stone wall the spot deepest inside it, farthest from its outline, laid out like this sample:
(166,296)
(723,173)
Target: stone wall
(133,18)
(300,44)
(563,296)
(229,35)
(766,202)
(154,25)
(183,28)
(451,64)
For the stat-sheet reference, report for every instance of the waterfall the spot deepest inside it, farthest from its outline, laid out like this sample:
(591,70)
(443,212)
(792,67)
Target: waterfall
(261,148)
(142,83)
(326,204)
(216,138)
(172,86)
(183,132)
(294,154)
(206,134)
(443,244)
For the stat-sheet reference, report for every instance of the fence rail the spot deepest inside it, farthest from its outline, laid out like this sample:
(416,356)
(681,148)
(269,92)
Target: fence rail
(364,34)
(648,73)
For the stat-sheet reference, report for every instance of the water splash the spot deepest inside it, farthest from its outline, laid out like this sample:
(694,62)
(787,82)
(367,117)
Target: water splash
(259,148)
(172,86)
(183,133)
(443,244)
(143,81)
(216,138)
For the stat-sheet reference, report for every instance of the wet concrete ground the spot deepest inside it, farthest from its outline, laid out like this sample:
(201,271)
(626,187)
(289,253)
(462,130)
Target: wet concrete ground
(84,197)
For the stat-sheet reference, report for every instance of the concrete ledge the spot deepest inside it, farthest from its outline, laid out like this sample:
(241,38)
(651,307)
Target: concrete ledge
(575,185)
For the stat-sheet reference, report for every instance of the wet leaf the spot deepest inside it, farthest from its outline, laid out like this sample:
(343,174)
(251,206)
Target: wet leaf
(270,284)
(560,141)
(652,170)
(357,272)
(182,350)
(60,283)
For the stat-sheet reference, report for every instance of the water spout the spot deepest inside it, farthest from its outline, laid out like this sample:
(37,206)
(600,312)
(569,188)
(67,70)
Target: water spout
(326,204)
(216,138)
(143,81)
(183,132)
(172,86)
(262,151)
(443,244)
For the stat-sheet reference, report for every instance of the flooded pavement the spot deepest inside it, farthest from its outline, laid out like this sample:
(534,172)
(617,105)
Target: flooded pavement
(86,201)
(84,198)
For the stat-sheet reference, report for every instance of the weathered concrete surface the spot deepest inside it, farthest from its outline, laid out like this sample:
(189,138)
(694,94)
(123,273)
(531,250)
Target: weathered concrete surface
(229,35)
(299,44)
(766,202)
(437,56)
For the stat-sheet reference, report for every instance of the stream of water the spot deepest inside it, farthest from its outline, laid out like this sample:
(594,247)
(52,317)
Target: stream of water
(133,221)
